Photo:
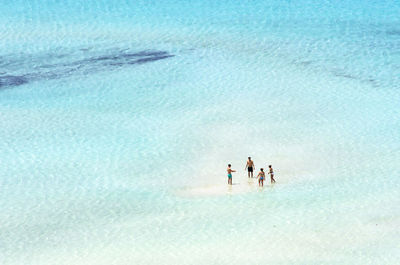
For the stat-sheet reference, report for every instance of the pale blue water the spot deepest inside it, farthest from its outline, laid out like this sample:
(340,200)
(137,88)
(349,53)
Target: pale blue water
(117,120)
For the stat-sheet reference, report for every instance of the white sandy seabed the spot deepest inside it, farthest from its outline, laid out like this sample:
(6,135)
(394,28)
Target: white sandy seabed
(114,145)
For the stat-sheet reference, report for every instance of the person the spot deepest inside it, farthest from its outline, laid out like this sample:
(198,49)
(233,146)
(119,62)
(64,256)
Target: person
(271,173)
(249,167)
(261,177)
(230,174)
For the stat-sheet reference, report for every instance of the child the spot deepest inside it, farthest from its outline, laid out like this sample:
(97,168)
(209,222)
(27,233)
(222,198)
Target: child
(261,177)
(271,173)
(230,174)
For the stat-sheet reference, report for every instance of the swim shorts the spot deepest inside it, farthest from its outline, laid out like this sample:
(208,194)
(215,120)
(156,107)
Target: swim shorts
(250,169)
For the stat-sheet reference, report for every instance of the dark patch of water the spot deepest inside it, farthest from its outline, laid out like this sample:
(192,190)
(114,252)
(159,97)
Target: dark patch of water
(12,80)
(48,71)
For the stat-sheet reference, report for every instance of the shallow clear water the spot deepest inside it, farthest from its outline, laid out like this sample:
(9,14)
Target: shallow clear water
(117,120)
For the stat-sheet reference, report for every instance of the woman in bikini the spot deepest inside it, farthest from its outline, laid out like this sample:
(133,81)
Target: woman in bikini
(271,173)
(261,177)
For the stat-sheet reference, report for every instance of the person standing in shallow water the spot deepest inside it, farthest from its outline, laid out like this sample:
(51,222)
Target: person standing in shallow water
(261,177)
(229,170)
(249,167)
(271,173)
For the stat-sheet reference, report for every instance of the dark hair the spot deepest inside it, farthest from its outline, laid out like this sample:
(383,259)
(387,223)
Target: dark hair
(229,165)
(269,166)
(249,157)
(261,169)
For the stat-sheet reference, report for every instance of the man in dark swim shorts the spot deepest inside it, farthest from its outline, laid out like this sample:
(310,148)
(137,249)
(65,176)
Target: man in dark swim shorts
(249,167)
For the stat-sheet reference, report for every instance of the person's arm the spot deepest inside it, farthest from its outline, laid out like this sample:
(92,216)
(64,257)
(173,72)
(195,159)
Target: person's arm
(247,164)
(233,170)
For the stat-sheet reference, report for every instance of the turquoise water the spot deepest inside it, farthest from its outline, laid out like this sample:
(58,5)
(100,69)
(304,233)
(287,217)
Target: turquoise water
(118,118)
